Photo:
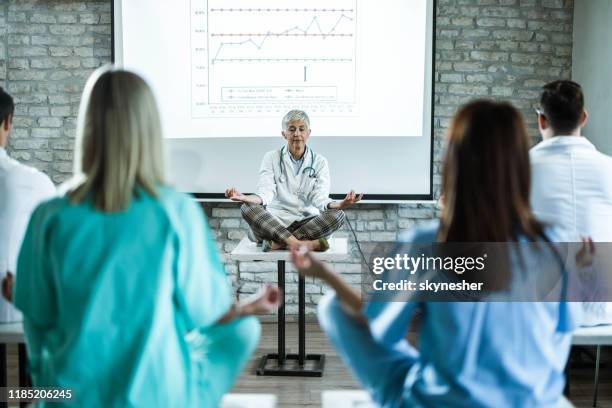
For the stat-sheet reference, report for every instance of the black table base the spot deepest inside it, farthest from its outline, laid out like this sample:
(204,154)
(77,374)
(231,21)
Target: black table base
(292,365)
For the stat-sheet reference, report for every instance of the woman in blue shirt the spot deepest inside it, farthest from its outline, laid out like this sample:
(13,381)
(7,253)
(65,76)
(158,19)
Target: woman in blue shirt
(471,354)
(125,300)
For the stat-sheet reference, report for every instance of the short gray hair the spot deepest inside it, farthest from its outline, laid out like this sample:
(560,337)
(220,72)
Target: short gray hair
(295,115)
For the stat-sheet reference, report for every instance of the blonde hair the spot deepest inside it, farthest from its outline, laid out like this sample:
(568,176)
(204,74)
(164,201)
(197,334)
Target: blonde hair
(119,144)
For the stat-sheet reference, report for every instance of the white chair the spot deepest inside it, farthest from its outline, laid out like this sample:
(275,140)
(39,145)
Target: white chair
(594,336)
(347,399)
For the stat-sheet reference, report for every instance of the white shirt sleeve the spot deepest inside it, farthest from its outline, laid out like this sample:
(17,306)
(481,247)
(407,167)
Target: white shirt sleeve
(320,193)
(29,190)
(22,190)
(266,186)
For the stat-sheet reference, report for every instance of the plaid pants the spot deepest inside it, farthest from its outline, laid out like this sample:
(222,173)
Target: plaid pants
(266,226)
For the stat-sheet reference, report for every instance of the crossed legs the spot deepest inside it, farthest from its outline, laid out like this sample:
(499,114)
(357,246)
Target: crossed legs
(266,226)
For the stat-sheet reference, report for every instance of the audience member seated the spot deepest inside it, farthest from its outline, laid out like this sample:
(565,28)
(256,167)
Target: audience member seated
(292,203)
(124,297)
(572,181)
(22,188)
(470,354)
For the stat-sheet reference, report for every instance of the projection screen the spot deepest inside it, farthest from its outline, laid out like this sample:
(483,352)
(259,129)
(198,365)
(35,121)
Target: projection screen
(224,73)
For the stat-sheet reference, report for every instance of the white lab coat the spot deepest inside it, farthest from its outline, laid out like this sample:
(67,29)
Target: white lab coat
(292,197)
(572,187)
(22,188)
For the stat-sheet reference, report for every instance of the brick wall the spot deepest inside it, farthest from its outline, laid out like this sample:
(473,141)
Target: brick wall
(504,49)
(51,49)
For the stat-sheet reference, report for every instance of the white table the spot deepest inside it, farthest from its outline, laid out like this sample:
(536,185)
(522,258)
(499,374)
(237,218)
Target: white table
(346,399)
(249,251)
(248,401)
(361,399)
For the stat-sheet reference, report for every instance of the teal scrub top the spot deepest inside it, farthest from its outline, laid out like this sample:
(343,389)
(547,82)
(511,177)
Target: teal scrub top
(110,300)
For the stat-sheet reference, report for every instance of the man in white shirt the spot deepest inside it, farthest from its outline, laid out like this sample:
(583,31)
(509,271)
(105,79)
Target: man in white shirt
(292,204)
(571,180)
(22,188)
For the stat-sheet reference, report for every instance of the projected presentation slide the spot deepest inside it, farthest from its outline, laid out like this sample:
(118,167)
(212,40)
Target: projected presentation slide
(233,68)
(248,60)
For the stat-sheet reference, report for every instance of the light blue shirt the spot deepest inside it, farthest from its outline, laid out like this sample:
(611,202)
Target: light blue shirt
(109,298)
(297,164)
(479,354)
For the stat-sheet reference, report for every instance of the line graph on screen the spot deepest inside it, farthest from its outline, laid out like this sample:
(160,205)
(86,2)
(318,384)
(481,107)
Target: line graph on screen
(262,57)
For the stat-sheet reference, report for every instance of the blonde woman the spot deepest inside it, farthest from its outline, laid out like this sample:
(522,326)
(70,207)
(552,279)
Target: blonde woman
(124,298)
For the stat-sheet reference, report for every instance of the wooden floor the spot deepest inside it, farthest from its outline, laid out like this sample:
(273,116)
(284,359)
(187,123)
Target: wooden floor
(296,391)
(306,392)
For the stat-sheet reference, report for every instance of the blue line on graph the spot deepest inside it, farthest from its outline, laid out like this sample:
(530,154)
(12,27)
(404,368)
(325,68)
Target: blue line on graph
(296,28)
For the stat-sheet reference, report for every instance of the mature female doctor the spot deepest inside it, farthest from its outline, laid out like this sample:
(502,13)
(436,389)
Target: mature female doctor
(292,204)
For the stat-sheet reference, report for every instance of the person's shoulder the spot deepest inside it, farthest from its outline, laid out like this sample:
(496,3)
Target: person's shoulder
(271,154)
(52,209)
(543,148)
(424,233)
(320,160)
(603,158)
(169,195)
(182,211)
(29,174)
(177,204)
(319,156)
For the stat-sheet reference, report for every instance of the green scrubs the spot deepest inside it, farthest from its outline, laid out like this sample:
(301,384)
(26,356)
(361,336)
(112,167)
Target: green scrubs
(121,307)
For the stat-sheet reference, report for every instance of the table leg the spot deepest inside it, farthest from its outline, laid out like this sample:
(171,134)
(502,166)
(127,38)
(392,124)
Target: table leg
(24,378)
(24,381)
(283,368)
(301,320)
(281,313)
(596,385)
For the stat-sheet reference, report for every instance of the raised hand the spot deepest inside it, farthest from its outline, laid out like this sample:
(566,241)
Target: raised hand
(350,199)
(7,287)
(306,263)
(235,195)
(267,300)
(584,257)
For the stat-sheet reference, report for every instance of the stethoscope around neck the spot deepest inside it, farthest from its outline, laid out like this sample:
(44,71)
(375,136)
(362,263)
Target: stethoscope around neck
(310,169)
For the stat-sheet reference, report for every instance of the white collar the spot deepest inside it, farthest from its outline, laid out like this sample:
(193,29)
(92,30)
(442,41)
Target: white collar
(3,153)
(565,141)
